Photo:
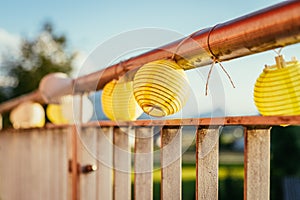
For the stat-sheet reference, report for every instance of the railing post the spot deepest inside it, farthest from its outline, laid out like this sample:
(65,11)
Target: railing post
(122,164)
(143,163)
(74,161)
(171,163)
(257,163)
(86,152)
(105,164)
(207,163)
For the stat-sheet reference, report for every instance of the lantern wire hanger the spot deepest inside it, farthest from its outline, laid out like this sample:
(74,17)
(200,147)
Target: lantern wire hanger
(213,56)
(215,60)
(278,52)
(279,58)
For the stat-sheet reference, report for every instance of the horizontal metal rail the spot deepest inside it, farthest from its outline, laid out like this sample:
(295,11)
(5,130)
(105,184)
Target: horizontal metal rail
(275,26)
(269,28)
(250,121)
(33,96)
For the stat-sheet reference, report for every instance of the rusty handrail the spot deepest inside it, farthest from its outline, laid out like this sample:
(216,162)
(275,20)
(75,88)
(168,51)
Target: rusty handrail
(34,96)
(266,29)
(249,121)
(269,28)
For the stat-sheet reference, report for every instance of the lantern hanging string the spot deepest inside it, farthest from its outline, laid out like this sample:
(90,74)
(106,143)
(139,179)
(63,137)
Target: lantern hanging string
(214,57)
(210,71)
(215,60)
(278,52)
(123,72)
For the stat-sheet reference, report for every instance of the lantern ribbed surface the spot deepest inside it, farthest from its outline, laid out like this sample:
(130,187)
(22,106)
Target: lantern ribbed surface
(277,90)
(161,88)
(55,115)
(118,102)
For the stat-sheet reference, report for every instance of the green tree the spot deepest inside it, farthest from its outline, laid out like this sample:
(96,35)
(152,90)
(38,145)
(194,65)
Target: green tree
(46,53)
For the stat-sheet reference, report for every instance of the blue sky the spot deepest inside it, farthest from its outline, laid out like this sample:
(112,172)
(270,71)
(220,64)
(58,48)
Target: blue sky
(88,24)
(91,22)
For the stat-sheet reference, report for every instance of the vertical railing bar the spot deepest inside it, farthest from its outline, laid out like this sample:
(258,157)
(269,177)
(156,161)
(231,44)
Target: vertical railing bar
(121,164)
(87,141)
(75,175)
(245,162)
(257,163)
(143,163)
(105,163)
(197,163)
(207,162)
(171,163)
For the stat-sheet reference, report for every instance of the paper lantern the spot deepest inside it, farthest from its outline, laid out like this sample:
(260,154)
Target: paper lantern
(277,90)
(55,115)
(28,115)
(161,88)
(118,101)
(71,105)
(55,85)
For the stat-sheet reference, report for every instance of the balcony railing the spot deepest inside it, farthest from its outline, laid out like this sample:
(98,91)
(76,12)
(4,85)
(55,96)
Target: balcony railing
(94,161)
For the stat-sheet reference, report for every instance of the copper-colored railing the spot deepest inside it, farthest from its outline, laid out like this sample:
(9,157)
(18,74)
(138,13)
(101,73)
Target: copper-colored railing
(275,26)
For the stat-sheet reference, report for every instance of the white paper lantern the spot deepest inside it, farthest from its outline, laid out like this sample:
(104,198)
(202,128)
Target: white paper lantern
(28,115)
(55,85)
(71,105)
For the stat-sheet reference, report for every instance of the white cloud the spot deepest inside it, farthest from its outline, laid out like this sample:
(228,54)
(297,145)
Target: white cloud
(9,44)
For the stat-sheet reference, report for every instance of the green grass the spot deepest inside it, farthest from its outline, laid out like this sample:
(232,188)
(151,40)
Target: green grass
(189,173)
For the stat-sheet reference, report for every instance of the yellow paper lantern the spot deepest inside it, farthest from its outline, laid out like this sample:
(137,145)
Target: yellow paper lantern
(161,88)
(55,115)
(118,101)
(27,115)
(277,90)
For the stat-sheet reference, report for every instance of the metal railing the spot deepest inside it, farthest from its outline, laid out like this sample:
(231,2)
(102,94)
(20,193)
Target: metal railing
(276,26)
(98,156)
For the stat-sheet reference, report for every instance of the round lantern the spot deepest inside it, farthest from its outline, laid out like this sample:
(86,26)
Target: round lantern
(118,101)
(28,115)
(55,85)
(277,90)
(54,114)
(161,88)
(71,105)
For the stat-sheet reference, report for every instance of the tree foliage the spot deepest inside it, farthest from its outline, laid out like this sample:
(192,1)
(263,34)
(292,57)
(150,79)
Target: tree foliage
(46,53)
(285,149)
